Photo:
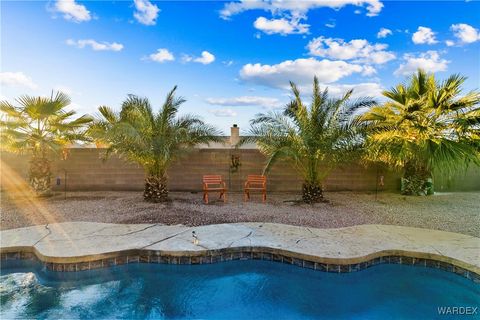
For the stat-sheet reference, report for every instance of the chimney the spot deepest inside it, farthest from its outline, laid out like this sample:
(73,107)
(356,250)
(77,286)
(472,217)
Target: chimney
(234,135)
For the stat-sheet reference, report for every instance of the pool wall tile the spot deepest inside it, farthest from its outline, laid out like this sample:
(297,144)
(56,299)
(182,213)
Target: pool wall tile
(247,253)
(334,268)
(236,256)
(257,255)
(195,260)
(145,258)
(288,260)
(355,267)
(297,262)
(345,268)
(277,257)
(216,258)
(267,256)
(109,262)
(395,260)
(83,266)
(419,262)
(431,263)
(475,277)
(70,267)
(185,260)
(445,266)
(308,264)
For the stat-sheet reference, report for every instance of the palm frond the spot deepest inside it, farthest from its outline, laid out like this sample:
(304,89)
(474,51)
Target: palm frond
(153,140)
(40,124)
(425,123)
(312,139)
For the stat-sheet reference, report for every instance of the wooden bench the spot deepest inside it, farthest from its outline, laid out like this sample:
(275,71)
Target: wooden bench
(255,183)
(214,183)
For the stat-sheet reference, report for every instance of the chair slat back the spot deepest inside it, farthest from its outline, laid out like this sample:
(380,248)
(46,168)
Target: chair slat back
(256,179)
(212,179)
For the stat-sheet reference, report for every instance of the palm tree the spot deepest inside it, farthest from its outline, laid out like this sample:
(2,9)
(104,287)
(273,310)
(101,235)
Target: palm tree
(314,139)
(425,125)
(39,126)
(153,140)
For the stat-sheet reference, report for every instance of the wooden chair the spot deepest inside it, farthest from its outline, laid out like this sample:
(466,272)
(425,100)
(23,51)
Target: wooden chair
(255,183)
(214,183)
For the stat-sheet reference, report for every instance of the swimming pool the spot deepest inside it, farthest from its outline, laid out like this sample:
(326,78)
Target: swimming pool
(232,290)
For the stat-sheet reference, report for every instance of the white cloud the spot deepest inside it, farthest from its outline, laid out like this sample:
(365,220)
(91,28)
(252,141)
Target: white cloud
(161,56)
(330,25)
(424,35)
(186,58)
(450,43)
(367,89)
(265,102)
(72,10)
(228,63)
(223,112)
(430,61)
(96,46)
(281,26)
(384,32)
(368,70)
(300,71)
(465,33)
(357,49)
(206,58)
(296,8)
(14,79)
(146,13)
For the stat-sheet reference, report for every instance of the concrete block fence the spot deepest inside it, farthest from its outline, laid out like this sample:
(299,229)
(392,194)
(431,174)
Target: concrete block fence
(86,171)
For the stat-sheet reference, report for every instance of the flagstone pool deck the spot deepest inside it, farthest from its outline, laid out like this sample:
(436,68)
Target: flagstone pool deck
(75,246)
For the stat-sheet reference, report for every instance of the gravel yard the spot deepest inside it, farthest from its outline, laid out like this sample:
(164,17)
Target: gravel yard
(457,212)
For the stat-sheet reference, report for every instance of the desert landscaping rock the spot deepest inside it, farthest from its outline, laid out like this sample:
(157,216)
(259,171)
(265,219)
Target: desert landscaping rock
(456,212)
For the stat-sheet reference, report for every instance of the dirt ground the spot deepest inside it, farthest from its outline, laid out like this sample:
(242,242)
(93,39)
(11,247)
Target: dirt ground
(457,212)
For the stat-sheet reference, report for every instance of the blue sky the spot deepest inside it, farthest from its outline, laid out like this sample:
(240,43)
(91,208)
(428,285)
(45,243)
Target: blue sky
(230,60)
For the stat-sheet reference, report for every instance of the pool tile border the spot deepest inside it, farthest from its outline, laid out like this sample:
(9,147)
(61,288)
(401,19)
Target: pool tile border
(240,253)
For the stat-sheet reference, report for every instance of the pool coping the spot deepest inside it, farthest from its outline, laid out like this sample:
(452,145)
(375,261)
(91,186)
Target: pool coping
(77,246)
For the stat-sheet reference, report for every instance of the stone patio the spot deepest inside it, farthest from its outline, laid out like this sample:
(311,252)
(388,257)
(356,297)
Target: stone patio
(75,246)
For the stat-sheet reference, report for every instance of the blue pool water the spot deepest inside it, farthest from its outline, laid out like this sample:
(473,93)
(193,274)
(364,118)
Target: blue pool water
(232,290)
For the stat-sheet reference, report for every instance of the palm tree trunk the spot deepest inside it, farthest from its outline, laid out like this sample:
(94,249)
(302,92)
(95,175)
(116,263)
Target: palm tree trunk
(39,175)
(312,192)
(417,180)
(155,189)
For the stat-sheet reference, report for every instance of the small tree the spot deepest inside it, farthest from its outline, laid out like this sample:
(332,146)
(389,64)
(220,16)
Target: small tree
(39,126)
(153,140)
(314,140)
(425,125)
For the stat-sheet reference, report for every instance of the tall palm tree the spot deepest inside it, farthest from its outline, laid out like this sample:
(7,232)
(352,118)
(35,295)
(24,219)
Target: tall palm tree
(425,125)
(153,140)
(314,139)
(40,125)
